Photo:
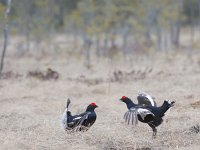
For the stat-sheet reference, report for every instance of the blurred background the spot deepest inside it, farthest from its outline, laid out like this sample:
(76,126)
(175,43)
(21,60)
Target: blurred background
(105,28)
(97,51)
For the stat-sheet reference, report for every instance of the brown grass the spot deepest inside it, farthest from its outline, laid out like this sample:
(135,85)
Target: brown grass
(31,108)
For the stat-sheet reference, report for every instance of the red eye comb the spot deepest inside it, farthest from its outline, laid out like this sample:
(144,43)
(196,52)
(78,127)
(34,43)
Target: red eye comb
(123,97)
(93,104)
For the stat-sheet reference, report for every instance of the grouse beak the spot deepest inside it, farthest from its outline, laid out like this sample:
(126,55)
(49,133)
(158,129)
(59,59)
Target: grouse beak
(122,100)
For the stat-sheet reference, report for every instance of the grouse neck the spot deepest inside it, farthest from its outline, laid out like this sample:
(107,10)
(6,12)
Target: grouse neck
(129,103)
(90,108)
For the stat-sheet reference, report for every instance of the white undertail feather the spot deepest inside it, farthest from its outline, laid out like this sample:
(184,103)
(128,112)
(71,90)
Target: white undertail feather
(64,119)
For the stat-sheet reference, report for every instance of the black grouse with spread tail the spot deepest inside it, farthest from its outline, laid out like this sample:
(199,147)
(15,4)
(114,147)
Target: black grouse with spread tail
(151,115)
(80,122)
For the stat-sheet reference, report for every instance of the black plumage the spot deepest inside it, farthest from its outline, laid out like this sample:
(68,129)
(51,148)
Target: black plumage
(80,122)
(152,115)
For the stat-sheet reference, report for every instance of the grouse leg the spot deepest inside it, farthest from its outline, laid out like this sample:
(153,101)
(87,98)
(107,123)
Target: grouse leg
(154,129)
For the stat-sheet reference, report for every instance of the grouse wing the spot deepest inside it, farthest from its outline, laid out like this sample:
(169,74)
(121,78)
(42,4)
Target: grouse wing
(145,99)
(131,116)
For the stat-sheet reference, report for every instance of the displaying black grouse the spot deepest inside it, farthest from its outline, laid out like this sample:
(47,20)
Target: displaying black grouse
(81,122)
(152,115)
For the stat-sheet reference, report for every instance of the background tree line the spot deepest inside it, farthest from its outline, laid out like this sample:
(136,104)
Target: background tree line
(104,27)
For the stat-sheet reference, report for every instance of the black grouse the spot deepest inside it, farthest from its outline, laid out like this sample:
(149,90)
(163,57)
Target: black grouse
(80,122)
(152,115)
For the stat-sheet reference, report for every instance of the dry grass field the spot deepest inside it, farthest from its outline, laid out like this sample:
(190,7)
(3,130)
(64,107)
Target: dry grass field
(31,107)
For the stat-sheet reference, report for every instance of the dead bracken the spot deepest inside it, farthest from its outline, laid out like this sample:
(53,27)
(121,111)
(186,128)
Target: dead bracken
(10,75)
(49,74)
(119,75)
(195,129)
(196,104)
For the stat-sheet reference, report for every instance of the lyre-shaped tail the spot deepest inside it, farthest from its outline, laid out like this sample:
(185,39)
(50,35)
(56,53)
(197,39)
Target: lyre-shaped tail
(65,116)
(68,102)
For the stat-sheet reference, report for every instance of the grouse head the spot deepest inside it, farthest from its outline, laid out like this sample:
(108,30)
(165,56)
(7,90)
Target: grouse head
(91,106)
(128,101)
(125,99)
